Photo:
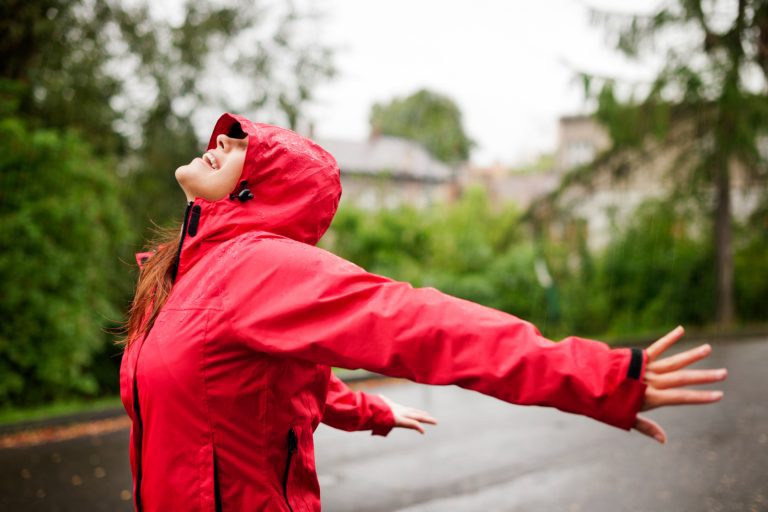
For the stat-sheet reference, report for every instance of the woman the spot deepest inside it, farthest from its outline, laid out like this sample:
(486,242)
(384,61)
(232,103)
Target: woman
(237,321)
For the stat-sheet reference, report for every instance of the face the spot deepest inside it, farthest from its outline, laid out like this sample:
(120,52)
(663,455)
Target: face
(216,173)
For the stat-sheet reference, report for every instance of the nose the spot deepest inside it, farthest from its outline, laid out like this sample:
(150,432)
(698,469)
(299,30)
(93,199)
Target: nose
(222,142)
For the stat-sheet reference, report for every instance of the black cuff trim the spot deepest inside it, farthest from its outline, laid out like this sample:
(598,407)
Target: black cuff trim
(635,364)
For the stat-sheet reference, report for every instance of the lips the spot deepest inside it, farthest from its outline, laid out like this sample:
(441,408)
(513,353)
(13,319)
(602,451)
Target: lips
(210,160)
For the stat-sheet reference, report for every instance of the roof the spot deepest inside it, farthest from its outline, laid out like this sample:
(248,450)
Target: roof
(401,158)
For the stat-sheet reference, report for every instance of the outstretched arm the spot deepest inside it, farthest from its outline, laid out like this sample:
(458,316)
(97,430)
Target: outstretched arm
(317,307)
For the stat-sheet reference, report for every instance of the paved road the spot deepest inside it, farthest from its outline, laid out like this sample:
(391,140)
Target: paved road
(484,456)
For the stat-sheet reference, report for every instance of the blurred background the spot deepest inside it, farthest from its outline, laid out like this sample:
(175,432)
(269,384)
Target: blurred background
(597,168)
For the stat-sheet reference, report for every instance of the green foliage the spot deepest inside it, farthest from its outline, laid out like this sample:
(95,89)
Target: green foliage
(751,263)
(62,226)
(432,119)
(104,66)
(132,81)
(466,249)
(656,274)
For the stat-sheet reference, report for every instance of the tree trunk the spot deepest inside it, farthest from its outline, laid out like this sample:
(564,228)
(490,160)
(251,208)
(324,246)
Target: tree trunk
(723,249)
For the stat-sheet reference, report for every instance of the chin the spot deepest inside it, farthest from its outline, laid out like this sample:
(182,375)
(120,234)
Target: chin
(186,174)
(186,177)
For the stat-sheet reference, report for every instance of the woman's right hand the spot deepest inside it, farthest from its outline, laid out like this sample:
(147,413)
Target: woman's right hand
(664,378)
(408,417)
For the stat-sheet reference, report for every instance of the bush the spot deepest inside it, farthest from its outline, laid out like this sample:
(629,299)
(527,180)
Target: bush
(751,269)
(465,249)
(61,227)
(657,274)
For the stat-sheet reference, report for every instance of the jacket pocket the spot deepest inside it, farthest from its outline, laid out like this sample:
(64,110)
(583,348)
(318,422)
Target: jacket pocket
(292,446)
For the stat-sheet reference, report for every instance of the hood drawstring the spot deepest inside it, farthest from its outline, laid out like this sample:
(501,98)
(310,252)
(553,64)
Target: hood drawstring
(244,193)
(175,267)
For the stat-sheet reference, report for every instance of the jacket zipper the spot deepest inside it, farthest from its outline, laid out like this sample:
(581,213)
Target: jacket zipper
(216,487)
(175,267)
(138,439)
(293,444)
(137,442)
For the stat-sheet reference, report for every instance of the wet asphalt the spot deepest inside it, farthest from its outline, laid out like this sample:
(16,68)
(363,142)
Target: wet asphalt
(484,455)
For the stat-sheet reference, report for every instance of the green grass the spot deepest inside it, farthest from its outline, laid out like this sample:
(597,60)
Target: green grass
(63,408)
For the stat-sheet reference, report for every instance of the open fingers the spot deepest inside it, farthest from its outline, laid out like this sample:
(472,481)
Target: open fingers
(659,346)
(661,397)
(680,360)
(421,416)
(412,424)
(680,378)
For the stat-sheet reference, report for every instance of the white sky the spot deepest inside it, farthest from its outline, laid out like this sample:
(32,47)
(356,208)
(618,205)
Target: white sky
(510,65)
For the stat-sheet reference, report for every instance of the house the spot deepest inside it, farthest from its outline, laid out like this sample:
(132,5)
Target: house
(503,185)
(601,190)
(580,140)
(387,172)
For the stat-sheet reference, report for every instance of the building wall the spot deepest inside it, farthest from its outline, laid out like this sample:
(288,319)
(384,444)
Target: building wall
(615,191)
(580,140)
(372,192)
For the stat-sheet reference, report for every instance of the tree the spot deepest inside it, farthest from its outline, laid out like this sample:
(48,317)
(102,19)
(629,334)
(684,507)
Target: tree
(130,80)
(708,99)
(432,119)
(99,100)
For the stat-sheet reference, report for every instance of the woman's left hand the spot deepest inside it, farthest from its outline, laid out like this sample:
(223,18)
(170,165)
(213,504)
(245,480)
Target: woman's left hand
(408,417)
(666,378)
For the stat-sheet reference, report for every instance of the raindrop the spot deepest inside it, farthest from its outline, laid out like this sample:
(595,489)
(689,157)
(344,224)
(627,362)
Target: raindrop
(56,457)
(99,472)
(76,480)
(25,473)
(40,493)
(125,495)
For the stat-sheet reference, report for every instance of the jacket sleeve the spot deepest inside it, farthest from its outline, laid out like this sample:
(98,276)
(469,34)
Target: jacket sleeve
(354,410)
(295,300)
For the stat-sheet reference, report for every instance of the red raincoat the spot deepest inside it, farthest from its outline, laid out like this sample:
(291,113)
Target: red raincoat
(344,409)
(234,377)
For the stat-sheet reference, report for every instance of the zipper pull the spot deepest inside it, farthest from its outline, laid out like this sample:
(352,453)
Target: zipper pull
(293,441)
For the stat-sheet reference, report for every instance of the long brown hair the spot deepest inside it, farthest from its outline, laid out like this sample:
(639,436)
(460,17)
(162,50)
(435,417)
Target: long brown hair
(154,285)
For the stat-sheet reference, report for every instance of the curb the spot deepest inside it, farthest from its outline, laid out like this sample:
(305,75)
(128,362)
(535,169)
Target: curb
(60,421)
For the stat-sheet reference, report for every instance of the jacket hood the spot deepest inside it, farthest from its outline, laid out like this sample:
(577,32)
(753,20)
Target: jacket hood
(295,186)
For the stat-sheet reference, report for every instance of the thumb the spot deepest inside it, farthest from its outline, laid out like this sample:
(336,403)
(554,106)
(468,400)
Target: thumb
(650,428)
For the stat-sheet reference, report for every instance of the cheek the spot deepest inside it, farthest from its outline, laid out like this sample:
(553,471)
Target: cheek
(230,174)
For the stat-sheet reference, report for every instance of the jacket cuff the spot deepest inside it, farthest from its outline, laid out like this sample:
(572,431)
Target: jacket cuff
(621,407)
(382,420)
